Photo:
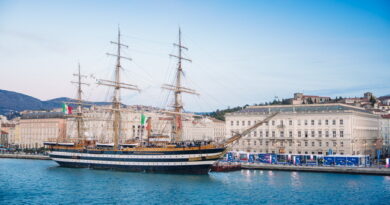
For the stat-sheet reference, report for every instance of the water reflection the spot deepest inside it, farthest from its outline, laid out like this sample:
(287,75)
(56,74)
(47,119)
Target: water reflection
(295,179)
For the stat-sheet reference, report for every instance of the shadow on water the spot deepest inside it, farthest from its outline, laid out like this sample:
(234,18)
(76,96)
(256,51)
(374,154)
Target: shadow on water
(131,174)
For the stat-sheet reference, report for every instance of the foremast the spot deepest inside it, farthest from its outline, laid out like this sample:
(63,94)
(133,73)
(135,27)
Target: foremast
(79,102)
(117,85)
(178,89)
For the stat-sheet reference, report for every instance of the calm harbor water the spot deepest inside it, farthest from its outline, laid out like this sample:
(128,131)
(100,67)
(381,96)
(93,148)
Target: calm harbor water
(43,182)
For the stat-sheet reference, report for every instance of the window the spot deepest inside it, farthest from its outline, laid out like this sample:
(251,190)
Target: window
(290,143)
(281,144)
(273,133)
(319,122)
(290,122)
(312,144)
(306,134)
(306,144)
(249,123)
(342,144)
(341,122)
(266,143)
(261,133)
(237,123)
(319,143)
(273,122)
(326,133)
(334,144)
(326,122)
(312,122)
(305,122)
(255,142)
(313,133)
(299,133)
(334,133)
(281,122)
(254,134)
(231,123)
(299,144)
(266,133)
(290,133)
(249,142)
(319,133)
(341,133)
(261,142)
(327,144)
(299,122)
(333,122)
(243,123)
(281,133)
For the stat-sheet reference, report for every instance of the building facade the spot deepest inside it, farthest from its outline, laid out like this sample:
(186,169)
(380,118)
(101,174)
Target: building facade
(98,125)
(385,131)
(307,129)
(36,128)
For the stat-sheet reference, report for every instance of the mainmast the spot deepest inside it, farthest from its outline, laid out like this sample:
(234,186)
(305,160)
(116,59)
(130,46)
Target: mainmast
(116,101)
(177,130)
(79,112)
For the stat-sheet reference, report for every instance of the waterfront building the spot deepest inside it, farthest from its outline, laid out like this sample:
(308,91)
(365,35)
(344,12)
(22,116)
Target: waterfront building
(307,129)
(36,128)
(8,130)
(98,124)
(3,138)
(385,132)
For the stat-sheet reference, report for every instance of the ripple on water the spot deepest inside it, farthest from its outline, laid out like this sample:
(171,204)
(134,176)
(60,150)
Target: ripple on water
(43,182)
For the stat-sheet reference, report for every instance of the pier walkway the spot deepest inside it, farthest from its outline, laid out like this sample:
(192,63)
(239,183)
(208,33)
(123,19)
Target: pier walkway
(336,169)
(24,156)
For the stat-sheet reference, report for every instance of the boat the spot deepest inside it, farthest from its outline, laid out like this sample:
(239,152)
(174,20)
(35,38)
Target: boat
(225,166)
(158,153)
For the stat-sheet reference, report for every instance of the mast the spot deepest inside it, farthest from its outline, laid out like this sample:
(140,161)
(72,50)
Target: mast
(177,88)
(79,113)
(116,101)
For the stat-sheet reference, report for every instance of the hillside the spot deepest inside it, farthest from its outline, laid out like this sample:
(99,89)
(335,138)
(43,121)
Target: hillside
(11,103)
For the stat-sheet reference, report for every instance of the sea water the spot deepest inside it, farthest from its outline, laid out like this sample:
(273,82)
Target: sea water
(44,182)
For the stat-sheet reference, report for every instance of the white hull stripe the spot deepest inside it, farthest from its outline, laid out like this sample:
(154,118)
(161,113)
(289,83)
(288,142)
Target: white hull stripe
(130,156)
(135,163)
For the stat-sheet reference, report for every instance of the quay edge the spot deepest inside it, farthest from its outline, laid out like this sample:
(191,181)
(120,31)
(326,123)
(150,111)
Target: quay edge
(344,170)
(24,156)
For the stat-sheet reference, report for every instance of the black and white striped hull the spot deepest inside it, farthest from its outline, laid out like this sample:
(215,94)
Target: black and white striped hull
(188,162)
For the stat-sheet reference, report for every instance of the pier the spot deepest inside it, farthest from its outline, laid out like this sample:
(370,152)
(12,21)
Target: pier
(25,156)
(336,169)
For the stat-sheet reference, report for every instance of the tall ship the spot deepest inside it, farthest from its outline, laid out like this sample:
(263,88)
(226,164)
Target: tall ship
(158,153)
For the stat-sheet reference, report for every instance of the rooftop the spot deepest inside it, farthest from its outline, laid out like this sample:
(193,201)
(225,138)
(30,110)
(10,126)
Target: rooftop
(301,108)
(43,115)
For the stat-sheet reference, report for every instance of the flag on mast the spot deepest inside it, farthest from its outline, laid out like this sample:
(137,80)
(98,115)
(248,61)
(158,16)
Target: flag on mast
(143,119)
(66,109)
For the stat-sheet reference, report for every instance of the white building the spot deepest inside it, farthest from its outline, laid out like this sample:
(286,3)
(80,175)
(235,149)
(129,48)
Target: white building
(36,128)
(307,129)
(98,125)
(385,131)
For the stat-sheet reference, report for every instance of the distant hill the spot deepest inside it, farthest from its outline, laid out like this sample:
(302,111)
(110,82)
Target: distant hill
(11,103)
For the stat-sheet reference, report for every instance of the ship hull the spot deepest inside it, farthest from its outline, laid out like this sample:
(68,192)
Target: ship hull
(194,169)
(183,162)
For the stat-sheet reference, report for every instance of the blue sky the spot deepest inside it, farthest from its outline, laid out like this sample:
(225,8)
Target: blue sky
(243,52)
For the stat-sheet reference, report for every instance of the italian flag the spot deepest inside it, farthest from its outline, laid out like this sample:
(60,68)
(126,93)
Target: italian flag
(66,109)
(143,119)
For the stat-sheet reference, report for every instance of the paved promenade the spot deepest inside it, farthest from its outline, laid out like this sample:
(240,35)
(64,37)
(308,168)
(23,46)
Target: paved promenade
(25,156)
(346,170)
